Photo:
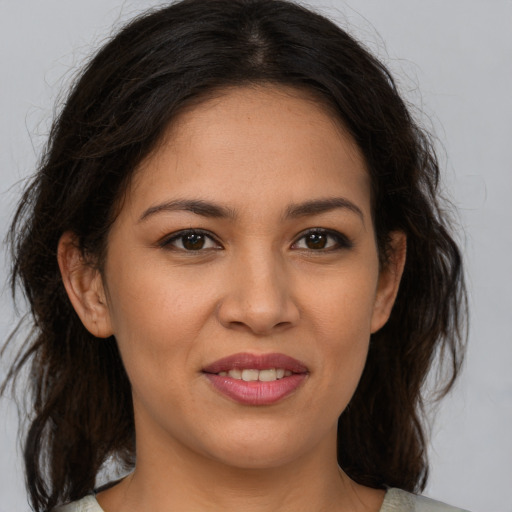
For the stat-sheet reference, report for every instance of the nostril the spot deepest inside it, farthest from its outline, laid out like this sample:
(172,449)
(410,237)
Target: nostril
(262,329)
(237,324)
(261,305)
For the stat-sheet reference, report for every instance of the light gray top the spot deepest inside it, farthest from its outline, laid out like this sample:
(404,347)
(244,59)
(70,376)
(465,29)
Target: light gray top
(396,500)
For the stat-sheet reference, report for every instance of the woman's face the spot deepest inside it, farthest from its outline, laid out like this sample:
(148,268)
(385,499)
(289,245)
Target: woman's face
(242,280)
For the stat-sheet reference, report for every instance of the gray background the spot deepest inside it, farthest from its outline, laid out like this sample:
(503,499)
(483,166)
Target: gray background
(453,61)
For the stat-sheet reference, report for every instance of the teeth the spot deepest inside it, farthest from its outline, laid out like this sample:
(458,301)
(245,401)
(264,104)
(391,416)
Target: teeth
(235,373)
(268,375)
(251,375)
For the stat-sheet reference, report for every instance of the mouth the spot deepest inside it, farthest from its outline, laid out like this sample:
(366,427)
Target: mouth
(252,379)
(252,374)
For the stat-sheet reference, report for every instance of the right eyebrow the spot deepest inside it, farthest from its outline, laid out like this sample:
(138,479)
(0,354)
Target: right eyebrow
(318,206)
(197,206)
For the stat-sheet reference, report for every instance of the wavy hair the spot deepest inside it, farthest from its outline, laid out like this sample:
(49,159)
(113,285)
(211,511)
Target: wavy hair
(116,112)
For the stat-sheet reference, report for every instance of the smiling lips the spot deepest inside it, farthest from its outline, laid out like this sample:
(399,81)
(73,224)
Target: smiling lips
(256,379)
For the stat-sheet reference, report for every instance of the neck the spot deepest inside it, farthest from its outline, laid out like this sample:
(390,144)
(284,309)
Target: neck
(174,478)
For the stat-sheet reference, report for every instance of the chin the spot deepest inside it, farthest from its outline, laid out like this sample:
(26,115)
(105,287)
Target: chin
(263,450)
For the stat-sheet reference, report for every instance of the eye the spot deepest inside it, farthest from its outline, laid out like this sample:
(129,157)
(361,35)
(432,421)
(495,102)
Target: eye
(322,240)
(190,240)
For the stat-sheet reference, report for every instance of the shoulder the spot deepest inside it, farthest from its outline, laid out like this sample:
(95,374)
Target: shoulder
(87,504)
(401,501)
(396,501)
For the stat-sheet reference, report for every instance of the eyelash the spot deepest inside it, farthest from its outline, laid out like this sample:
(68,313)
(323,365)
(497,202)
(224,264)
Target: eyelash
(340,241)
(180,235)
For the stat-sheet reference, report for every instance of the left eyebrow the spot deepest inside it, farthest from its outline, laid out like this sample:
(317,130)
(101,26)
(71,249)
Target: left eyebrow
(197,206)
(318,206)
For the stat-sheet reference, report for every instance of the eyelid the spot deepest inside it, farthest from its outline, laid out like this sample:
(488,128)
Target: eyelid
(342,241)
(167,240)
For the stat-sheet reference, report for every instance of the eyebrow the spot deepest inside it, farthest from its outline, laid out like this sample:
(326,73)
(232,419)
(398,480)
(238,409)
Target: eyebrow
(213,210)
(318,206)
(197,206)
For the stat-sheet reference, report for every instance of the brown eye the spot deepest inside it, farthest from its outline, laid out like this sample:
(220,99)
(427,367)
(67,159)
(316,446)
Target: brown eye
(193,241)
(190,240)
(315,240)
(322,240)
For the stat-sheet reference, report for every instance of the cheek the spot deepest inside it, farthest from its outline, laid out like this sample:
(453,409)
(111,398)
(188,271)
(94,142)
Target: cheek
(154,297)
(155,320)
(341,303)
(339,317)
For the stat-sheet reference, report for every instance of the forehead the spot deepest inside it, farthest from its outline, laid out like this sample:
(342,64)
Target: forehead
(250,142)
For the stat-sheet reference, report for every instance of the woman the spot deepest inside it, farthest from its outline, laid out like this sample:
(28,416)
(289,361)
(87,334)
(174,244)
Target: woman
(239,273)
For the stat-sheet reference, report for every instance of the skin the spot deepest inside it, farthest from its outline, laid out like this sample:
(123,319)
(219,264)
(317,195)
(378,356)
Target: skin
(258,285)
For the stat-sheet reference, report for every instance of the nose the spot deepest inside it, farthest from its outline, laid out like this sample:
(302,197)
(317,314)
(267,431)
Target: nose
(258,296)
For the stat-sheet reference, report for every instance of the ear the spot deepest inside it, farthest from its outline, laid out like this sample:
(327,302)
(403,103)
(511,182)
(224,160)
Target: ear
(84,287)
(389,280)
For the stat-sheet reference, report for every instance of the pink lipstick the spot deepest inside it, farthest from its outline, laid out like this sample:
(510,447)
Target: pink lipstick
(252,379)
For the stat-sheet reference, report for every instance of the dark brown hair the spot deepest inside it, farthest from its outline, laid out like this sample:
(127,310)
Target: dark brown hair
(114,116)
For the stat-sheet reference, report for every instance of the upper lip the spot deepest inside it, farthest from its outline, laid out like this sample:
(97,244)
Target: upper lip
(257,362)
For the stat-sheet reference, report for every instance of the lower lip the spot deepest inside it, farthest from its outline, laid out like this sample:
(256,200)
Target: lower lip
(256,392)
